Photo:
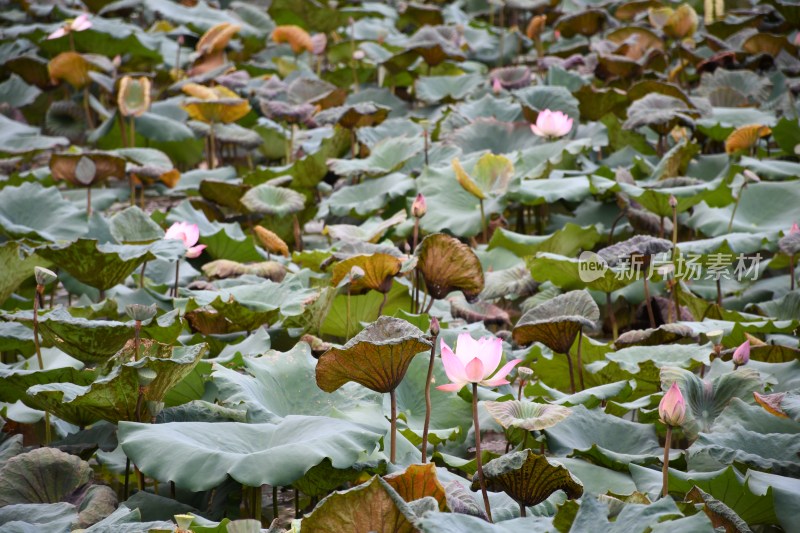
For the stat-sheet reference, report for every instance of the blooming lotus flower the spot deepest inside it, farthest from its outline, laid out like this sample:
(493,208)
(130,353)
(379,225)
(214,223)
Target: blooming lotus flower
(419,207)
(795,228)
(189,234)
(672,408)
(741,355)
(81,23)
(552,124)
(474,361)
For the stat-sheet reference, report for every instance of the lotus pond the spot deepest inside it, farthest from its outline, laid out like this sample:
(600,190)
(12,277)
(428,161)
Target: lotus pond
(316,266)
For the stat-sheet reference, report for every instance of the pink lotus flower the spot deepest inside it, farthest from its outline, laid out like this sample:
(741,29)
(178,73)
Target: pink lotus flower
(672,408)
(189,234)
(318,43)
(474,361)
(741,355)
(81,23)
(552,124)
(795,228)
(419,207)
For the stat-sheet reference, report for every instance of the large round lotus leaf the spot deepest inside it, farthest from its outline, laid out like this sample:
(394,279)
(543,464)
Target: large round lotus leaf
(638,245)
(379,271)
(19,138)
(528,478)
(565,272)
(659,111)
(354,116)
(275,387)
(449,265)
(586,22)
(132,225)
(536,99)
(48,475)
(367,197)
(14,383)
(377,357)
(526,415)
(372,507)
(315,92)
(271,200)
(385,157)
(89,341)
(98,265)
(436,44)
(556,322)
(31,210)
(86,169)
(113,397)
(199,456)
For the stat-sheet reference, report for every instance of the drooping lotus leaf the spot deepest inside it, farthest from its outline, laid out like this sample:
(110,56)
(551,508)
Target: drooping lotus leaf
(528,478)
(720,514)
(705,400)
(222,268)
(271,242)
(98,265)
(19,138)
(479,311)
(595,514)
(660,112)
(417,482)
(228,133)
(275,388)
(373,506)
(370,231)
(556,322)
(385,157)
(638,245)
(40,213)
(71,67)
(509,283)
(436,44)
(47,475)
(16,382)
(271,200)
(323,478)
(89,341)
(86,169)
(746,137)
(377,357)
(65,118)
(354,116)
(734,88)
(379,272)
(114,397)
(448,265)
(567,241)
(200,455)
(664,334)
(491,176)
(514,77)
(782,404)
(526,415)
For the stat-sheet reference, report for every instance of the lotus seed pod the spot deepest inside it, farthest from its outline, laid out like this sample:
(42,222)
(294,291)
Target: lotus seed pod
(140,312)
(44,276)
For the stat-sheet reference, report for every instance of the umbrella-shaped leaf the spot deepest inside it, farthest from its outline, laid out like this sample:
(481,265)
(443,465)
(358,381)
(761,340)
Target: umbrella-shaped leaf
(706,399)
(449,265)
(568,273)
(659,111)
(98,265)
(555,98)
(526,415)
(200,455)
(664,334)
(379,271)
(594,515)
(509,283)
(354,116)
(89,341)
(86,169)
(366,197)
(377,357)
(270,200)
(16,382)
(556,322)
(585,22)
(215,104)
(491,176)
(417,482)
(433,89)
(133,226)
(19,138)
(48,475)
(638,245)
(528,478)
(386,156)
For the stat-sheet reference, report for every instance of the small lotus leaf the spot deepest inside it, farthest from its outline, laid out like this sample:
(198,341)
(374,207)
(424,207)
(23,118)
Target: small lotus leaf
(449,265)
(526,415)
(271,200)
(86,169)
(379,271)
(133,97)
(556,322)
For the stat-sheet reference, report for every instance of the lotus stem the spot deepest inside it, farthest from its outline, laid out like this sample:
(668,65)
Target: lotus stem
(293,130)
(478,462)
(137,328)
(393,447)
(133,190)
(89,202)
(36,297)
(415,235)
(661,227)
(519,390)
(383,303)
(125,490)
(571,374)
(484,229)
(611,317)
(296,503)
(137,415)
(133,131)
(87,109)
(649,306)
(212,148)
(665,471)
(428,379)
(502,37)
(141,275)
(177,277)
(580,362)
(791,272)
(347,318)
(430,304)
(426,141)
(298,236)
(719,292)
(522,511)
(172,489)
(275,510)
(139,478)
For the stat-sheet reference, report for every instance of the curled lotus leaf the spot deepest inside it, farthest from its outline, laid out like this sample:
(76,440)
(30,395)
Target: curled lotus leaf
(782,404)
(556,322)
(354,116)
(681,23)
(377,358)
(527,415)
(271,241)
(664,334)
(379,272)
(216,38)
(288,112)
(585,22)
(514,77)
(436,44)
(746,137)
(71,67)
(661,112)
(638,245)
(225,268)
(490,177)
(270,200)
(528,478)
(449,265)
(86,169)
(480,311)
(417,482)
(294,36)
(216,104)
(133,96)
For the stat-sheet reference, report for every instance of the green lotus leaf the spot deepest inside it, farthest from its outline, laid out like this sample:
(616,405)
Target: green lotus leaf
(114,397)
(274,387)
(386,156)
(456,522)
(354,116)
(565,272)
(377,358)
(537,99)
(556,322)
(734,88)
(19,138)
(550,190)
(47,475)
(17,93)
(434,89)
(528,478)
(40,213)
(594,514)
(606,440)
(656,196)
(660,112)
(718,512)
(448,265)
(490,134)
(89,341)
(435,44)
(16,265)
(589,398)
(529,416)
(362,310)
(773,452)
(366,197)
(252,454)
(38,516)
(706,399)
(511,283)
(133,226)
(16,382)
(379,272)
(584,22)
(784,490)
(478,311)
(271,200)
(370,231)
(664,334)
(566,241)
(98,265)
(157,125)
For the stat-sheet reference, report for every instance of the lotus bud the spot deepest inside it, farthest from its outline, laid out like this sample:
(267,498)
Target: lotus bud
(358,55)
(672,408)
(535,27)
(496,86)
(419,207)
(751,176)
(146,376)
(741,355)
(525,373)
(44,276)
(181,40)
(140,312)
(673,202)
(435,327)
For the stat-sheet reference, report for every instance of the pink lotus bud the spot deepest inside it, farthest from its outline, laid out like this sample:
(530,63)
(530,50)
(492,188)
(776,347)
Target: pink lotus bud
(419,207)
(673,202)
(672,408)
(434,326)
(741,355)
(496,86)
(358,55)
